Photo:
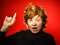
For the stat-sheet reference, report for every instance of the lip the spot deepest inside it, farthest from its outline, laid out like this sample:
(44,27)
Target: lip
(34,27)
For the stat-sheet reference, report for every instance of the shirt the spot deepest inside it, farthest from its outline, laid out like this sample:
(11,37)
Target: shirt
(28,38)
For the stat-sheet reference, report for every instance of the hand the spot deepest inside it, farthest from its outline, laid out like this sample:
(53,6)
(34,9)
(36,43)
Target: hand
(9,21)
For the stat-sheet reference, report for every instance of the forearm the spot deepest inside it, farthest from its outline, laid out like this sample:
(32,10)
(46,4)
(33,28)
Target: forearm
(4,28)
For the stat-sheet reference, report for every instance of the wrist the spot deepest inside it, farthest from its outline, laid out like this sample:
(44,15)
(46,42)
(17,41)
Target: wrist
(4,28)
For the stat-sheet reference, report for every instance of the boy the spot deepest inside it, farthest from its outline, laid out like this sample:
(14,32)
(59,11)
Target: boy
(35,19)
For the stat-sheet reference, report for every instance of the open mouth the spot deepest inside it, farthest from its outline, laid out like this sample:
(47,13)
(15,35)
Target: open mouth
(34,28)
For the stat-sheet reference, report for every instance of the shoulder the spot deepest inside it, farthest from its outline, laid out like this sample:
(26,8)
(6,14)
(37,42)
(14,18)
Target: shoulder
(49,38)
(20,34)
(23,32)
(17,35)
(45,34)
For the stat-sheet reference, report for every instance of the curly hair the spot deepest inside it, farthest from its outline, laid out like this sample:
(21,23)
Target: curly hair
(32,11)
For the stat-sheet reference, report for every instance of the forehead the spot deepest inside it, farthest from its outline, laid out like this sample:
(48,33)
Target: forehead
(36,17)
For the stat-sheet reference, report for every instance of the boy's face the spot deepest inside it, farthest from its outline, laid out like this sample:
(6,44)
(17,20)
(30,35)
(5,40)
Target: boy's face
(35,24)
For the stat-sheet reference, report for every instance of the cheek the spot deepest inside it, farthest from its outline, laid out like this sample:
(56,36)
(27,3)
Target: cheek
(39,24)
(29,25)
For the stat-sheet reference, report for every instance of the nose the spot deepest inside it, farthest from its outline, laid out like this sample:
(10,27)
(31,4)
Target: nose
(34,23)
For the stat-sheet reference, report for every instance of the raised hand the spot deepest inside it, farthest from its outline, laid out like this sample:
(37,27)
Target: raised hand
(8,21)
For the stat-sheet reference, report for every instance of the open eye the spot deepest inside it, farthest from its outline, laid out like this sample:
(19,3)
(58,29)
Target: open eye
(38,20)
(30,20)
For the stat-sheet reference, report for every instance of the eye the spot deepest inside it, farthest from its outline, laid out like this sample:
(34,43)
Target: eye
(30,20)
(38,20)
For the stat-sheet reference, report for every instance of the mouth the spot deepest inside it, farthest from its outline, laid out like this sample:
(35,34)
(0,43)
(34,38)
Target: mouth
(34,27)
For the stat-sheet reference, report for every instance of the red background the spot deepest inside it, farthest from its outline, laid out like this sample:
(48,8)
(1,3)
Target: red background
(52,7)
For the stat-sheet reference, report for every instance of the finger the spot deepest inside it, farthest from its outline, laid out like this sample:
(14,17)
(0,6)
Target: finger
(5,18)
(14,16)
(9,18)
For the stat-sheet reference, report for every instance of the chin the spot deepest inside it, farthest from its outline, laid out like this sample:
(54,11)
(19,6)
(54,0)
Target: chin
(35,32)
